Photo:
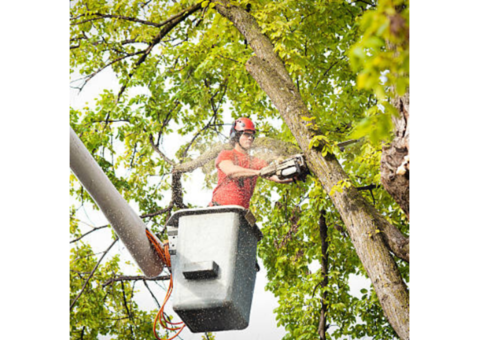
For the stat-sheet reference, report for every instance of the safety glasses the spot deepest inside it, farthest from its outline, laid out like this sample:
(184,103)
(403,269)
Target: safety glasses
(249,135)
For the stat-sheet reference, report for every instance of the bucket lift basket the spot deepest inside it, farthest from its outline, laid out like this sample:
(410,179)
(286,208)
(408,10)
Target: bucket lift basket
(213,255)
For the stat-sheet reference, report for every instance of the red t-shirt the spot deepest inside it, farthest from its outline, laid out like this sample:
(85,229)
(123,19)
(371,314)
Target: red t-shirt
(236,191)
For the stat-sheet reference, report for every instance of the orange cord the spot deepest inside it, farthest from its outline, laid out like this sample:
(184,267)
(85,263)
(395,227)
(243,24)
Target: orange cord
(163,253)
(165,257)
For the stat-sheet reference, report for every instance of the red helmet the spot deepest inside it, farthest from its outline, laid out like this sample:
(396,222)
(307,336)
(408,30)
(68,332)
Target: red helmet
(241,125)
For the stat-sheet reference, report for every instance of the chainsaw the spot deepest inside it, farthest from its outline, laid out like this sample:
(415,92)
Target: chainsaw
(293,167)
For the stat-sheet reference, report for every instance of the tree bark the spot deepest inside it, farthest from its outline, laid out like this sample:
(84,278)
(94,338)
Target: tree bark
(365,225)
(395,163)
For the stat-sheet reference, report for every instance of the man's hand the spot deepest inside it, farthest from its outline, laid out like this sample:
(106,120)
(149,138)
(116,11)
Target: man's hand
(275,178)
(268,171)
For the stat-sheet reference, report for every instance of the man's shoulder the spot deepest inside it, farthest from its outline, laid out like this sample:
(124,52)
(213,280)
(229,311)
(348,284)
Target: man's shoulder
(224,155)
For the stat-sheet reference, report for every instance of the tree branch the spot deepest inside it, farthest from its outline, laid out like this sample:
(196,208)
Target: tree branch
(157,150)
(132,19)
(322,325)
(328,70)
(90,76)
(177,191)
(369,187)
(121,17)
(125,300)
(123,42)
(159,212)
(88,232)
(151,293)
(196,136)
(125,303)
(135,278)
(172,22)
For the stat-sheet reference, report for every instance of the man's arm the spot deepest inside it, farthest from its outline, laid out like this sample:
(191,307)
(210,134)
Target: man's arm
(235,171)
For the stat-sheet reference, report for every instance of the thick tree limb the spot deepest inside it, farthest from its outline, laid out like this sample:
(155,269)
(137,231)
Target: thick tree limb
(269,72)
(358,216)
(203,159)
(177,191)
(254,37)
(265,148)
(361,220)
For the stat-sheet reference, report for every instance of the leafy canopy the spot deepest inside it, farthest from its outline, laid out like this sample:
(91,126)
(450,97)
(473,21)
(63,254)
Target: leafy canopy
(189,80)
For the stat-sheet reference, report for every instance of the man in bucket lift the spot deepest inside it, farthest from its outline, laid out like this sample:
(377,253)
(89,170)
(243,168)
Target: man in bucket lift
(237,170)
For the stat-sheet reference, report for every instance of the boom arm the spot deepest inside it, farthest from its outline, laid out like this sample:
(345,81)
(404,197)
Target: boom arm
(126,223)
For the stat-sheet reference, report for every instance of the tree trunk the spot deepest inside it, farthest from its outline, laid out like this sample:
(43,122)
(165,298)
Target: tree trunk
(395,163)
(366,227)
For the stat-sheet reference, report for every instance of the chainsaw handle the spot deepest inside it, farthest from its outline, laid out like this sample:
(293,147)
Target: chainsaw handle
(268,171)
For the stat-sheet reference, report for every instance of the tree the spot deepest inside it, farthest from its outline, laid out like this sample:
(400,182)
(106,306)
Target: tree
(331,70)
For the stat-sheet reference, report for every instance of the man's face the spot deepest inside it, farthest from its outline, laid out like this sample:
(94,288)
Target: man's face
(247,138)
